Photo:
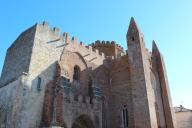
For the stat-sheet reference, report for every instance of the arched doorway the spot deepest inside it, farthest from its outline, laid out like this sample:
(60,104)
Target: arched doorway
(83,121)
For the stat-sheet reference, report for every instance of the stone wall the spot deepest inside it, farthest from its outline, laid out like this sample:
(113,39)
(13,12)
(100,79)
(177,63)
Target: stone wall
(109,48)
(120,96)
(164,101)
(31,78)
(184,119)
(11,102)
(142,91)
(36,52)
(72,109)
(18,56)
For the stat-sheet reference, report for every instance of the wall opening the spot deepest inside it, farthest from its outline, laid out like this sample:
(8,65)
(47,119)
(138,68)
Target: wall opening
(124,117)
(76,73)
(132,38)
(83,121)
(39,80)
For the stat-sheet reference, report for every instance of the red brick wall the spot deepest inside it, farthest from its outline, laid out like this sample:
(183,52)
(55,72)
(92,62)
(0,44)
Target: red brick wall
(48,105)
(49,100)
(59,107)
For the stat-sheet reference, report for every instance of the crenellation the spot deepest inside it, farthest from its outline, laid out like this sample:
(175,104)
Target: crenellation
(66,37)
(97,42)
(79,98)
(74,40)
(90,48)
(56,31)
(107,42)
(82,44)
(45,23)
(113,42)
(103,42)
(97,80)
(109,48)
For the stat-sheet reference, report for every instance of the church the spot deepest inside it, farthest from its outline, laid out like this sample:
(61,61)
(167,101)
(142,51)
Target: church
(50,80)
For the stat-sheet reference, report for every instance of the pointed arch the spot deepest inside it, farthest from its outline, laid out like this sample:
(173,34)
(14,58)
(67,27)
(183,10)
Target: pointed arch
(83,121)
(80,56)
(76,73)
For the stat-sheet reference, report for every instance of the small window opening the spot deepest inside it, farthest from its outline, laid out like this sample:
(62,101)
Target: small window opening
(124,117)
(132,38)
(76,75)
(39,84)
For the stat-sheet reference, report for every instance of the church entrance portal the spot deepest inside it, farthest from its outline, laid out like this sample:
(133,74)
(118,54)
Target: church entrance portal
(83,121)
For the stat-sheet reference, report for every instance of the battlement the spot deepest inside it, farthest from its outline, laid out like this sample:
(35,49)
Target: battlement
(65,37)
(55,30)
(99,49)
(87,49)
(103,43)
(109,48)
(72,98)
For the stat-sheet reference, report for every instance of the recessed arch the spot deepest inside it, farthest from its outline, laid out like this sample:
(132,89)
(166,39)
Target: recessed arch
(66,53)
(80,56)
(68,62)
(64,125)
(76,73)
(83,121)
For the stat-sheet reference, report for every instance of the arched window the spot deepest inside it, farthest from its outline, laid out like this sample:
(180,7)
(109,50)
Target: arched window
(76,74)
(124,117)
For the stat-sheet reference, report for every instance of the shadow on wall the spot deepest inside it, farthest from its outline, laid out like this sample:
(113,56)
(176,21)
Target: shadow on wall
(48,89)
(50,86)
(83,121)
(53,90)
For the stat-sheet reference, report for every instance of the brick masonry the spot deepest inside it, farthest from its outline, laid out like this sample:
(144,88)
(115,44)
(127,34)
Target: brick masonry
(38,88)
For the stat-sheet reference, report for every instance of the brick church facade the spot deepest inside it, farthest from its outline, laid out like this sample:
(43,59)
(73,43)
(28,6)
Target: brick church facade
(51,80)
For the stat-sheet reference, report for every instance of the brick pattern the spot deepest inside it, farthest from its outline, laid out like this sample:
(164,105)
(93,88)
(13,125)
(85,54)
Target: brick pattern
(59,107)
(142,92)
(53,95)
(159,69)
(122,80)
(109,48)
(47,107)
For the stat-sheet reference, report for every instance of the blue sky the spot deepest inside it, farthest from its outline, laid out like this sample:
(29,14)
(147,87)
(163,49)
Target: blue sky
(168,22)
